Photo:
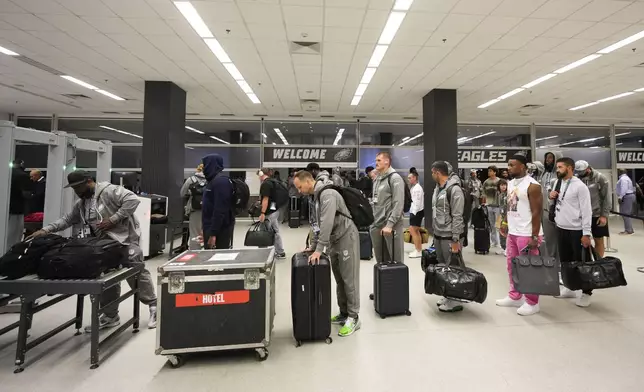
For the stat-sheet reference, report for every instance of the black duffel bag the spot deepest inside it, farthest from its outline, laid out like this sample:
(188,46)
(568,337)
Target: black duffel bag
(428,256)
(82,258)
(260,234)
(454,280)
(23,258)
(535,274)
(593,272)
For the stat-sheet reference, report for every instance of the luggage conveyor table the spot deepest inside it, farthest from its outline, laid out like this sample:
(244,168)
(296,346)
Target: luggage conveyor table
(31,287)
(4,301)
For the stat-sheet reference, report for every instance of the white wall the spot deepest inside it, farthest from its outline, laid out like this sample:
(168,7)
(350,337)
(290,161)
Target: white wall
(4,116)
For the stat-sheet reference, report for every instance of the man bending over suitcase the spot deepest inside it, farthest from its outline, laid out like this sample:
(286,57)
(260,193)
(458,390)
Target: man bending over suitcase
(108,210)
(338,239)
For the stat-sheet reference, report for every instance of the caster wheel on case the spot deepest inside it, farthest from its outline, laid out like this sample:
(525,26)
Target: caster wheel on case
(371,297)
(408,313)
(382,316)
(298,343)
(262,354)
(176,361)
(329,340)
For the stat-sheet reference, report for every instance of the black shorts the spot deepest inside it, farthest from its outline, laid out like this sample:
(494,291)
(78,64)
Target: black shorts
(598,231)
(417,218)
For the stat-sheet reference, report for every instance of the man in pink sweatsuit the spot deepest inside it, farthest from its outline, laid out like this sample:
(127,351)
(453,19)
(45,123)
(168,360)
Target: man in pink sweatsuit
(523,229)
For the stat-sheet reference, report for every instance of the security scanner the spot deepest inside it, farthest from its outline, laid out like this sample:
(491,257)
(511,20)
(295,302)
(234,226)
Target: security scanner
(152,214)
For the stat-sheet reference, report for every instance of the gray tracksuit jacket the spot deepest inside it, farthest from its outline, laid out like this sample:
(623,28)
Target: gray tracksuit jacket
(389,201)
(113,202)
(600,193)
(448,214)
(332,215)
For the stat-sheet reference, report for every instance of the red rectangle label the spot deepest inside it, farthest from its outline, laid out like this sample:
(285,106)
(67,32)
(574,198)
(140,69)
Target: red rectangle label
(187,257)
(220,298)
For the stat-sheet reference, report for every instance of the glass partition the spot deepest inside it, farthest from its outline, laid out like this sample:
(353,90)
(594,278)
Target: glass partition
(310,133)
(572,137)
(223,132)
(474,135)
(389,134)
(39,123)
(115,130)
(629,137)
(235,157)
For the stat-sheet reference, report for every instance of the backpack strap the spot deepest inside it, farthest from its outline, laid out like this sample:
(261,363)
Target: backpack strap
(333,187)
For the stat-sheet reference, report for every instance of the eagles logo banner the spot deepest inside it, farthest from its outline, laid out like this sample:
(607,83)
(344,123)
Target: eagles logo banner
(277,156)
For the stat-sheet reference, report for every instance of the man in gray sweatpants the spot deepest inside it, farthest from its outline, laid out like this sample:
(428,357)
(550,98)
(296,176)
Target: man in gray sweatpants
(336,237)
(388,204)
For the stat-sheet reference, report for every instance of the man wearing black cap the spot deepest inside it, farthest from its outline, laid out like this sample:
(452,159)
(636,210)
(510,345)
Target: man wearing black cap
(107,210)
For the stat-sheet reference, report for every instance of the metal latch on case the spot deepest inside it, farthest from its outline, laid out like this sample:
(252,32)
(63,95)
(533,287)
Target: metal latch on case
(251,279)
(176,282)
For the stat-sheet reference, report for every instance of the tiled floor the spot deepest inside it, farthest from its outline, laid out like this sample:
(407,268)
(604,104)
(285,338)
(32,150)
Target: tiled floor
(484,348)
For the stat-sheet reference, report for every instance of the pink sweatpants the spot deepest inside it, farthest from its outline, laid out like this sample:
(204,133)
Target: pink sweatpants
(514,246)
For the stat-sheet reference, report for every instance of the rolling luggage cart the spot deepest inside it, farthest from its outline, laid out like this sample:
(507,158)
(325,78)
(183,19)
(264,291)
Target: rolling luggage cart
(32,287)
(214,300)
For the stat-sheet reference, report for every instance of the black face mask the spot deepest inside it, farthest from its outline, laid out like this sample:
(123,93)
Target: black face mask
(87,194)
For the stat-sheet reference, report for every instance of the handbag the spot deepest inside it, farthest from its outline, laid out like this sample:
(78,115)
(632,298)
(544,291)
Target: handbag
(593,272)
(535,274)
(428,257)
(424,235)
(456,281)
(260,234)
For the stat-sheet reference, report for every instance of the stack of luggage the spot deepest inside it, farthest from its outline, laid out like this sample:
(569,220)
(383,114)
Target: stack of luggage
(481,225)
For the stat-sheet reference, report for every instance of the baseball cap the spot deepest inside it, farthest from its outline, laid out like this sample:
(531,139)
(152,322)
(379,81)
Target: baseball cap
(581,166)
(77,177)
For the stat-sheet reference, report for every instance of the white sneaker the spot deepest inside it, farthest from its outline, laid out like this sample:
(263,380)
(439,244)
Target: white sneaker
(583,301)
(528,310)
(152,322)
(451,306)
(415,254)
(500,252)
(508,302)
(565,292)
(441,301)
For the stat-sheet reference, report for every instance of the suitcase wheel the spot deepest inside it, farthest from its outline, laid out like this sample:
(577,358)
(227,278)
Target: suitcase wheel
(371,297)
(176,361)
(382,316)
(329,340)
(298,343)
(262,354)
(407,312)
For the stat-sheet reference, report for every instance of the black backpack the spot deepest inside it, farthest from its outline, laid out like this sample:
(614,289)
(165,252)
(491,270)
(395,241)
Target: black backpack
(407,205)
(357,204)
(241,195)
(467,203)
(196,192)
(280,193)
(23,258)
(82,258)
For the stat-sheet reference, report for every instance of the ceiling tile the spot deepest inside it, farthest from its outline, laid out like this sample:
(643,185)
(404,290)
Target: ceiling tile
(475,7)
(521,8)
(131,8)
(533,27)
(87,7)
(303,16)
(633,13)
(511,42)
(341,34)
(71,24)
(150,26)
(418,21)
(341,17)
(437,6)
(317,3)
(408,36)
(496,25)
(353,3)
(9,7)
(598,10)
(41,7)
(218,11)
(109,25)
(261,13)
(544,44)
(27,22)
(371,36)
(558,9)
(568,29)
(304,33)
(602,30)
(375,19)
(269,32)
(459,23)
(575,45)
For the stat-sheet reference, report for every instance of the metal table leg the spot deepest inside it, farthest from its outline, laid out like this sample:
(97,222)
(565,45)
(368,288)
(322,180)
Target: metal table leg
(80,299)
(137,304)
(96,303)
(26,313)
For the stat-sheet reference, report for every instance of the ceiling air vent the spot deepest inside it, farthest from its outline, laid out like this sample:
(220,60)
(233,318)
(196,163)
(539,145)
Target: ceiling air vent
(260,115)
(76,96)
(625,122)
(295,115)
(111,112)
(640,65)
(310,105)
(531,107)
(558,120)
(38,65)
(299,47)
(327,116)
(583,121)
(410,118)
(136,113)
(525,115)
(227,115)
(359,116)
(193,114)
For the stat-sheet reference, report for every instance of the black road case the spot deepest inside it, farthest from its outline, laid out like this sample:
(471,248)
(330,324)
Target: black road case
(213,300)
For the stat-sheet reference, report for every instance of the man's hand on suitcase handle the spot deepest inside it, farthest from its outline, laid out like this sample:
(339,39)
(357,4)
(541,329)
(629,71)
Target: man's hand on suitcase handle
(386,231)
(455,247)
(314,258)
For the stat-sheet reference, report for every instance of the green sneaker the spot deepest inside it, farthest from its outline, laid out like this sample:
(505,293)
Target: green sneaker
(349,327)
(339,319)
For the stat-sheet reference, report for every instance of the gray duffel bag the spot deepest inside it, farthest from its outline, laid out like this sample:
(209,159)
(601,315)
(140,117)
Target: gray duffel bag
(535,274)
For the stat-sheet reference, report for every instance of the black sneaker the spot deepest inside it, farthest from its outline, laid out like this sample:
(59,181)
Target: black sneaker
(281,255)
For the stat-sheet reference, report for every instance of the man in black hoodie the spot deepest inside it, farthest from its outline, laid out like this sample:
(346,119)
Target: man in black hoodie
(217,205)
(547,181)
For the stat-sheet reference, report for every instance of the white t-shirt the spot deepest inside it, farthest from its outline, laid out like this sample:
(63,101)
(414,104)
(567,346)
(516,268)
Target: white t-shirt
(417,199)
(519,211)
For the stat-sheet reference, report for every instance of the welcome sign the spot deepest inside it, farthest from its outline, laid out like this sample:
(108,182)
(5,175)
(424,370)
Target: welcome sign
(630,156)
(286,156)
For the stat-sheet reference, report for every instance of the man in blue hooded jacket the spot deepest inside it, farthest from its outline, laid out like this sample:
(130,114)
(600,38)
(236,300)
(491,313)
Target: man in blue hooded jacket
(217,213)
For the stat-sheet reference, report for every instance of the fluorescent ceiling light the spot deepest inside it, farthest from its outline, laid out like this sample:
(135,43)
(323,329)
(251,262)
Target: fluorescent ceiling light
(489,145)
(410,139)
(378,55)
(356,100)
(475,137)
(253,98)
(639,90)
(391,28)
(578,63)
(264,135)
(338,136)
(361,89)
(489,103)
(8,52)
(79,82)
(405,138)
(192,16)
(368,75)
(584,106)
(545,138)
(189,148)
(592,139)
(622,43)
(402,5)
(109,94)
(218,139)
(616,97)
(119,131)
(245,86)
(233,71)
(511,93)
(279,133)
(461,138)
(274,143)
(619,144)
(195,130)
(540,80)
(622,134)
(218,50)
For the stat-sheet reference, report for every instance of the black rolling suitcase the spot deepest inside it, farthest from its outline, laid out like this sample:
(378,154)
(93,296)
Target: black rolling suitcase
(311,299)
(481,225)
(294,213)
(366,247)
(391,288)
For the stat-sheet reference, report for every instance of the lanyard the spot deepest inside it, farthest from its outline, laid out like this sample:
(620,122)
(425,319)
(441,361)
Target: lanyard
(565,190)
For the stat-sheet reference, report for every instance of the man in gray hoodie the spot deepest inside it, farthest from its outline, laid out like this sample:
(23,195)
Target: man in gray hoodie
(388,203)
(337,238)
(448,203)
(547,180)
(193,184)
(106,210)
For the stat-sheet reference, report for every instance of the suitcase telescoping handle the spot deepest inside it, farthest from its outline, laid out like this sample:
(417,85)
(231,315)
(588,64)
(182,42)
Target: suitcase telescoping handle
(384,244)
